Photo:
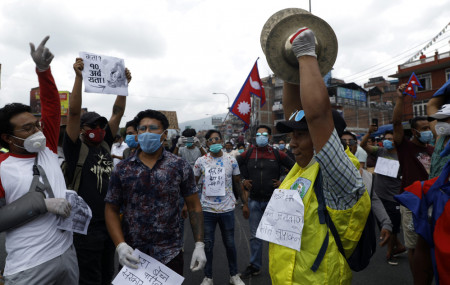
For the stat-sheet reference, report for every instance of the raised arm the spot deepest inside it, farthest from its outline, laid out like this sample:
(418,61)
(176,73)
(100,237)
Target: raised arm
(118,108)
(313,92)
(291,99)
(368,148)
(74,114)
(397,116)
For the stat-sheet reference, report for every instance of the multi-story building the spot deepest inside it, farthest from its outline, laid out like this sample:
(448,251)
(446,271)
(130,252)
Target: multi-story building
(432,73)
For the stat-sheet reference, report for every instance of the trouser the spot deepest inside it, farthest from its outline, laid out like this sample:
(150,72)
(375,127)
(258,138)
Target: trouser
(226,225)
(61,270)
(95,252)
(256,209)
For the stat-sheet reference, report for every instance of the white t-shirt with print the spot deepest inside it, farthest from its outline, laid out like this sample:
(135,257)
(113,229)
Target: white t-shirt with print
(218,204)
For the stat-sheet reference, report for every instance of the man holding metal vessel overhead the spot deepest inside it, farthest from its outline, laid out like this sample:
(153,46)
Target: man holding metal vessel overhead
(321,163)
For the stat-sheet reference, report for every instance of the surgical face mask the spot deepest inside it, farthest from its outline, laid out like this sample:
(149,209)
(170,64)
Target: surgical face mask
(95,136)
(262,140)
(215,148)
(189,144)
(387,144)
(442,129)
(282,146)
(149,142)
(130,140)
(34,143)
(425,137)
(241,150)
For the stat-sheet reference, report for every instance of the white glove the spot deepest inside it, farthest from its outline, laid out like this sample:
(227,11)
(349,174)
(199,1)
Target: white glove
(304,43)
(198,260)
(42,55)
(181,141)
(58,206)
(126,257)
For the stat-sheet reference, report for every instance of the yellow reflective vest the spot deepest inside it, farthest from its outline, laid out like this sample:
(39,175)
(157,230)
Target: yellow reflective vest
(288,266)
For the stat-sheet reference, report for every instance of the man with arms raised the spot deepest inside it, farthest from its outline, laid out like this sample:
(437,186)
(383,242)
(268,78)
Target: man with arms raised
(316,145)
(38,252)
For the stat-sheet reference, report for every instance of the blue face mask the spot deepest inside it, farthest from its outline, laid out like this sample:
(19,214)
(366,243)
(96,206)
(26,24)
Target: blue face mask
(426,137)
(387,144)
(282,146)
(262,140)
(149,142)
(189,144)
(241,150)
(130,141)
(215,148)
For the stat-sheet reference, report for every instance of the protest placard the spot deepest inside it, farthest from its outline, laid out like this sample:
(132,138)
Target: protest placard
(80,214)
(388,167)
(283,219)
(150,272)
(104,74)
(215,181)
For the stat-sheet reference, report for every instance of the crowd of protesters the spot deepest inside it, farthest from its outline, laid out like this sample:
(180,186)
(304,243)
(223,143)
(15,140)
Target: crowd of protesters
(140,186)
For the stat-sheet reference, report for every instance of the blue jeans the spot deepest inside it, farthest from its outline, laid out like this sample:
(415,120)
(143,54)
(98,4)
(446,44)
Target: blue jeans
(256,209)
(226,225)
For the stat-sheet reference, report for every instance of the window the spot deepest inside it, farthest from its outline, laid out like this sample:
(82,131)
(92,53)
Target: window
(420,108)
(425,81)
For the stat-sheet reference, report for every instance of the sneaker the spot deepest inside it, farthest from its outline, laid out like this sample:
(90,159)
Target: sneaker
(250,271)
(207,281)
(392,261)
(236,280)
(399,251)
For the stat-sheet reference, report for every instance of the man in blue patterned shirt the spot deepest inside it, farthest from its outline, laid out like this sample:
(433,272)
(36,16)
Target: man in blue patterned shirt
(148,187)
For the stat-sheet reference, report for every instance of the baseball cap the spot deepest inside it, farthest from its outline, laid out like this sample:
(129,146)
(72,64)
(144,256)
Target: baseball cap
(92,118)
(443,113)
(302,125)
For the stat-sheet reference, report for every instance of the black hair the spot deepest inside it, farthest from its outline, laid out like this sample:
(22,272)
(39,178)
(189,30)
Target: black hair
(239,145)
(189,133)
(413,121)
(210,132)
(228,142)
(152,114)
(6,113)
(269,130)
(131,123)
(388,132)
(350,134)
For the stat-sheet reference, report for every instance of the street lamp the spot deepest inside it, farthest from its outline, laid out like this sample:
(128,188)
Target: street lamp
(228,98)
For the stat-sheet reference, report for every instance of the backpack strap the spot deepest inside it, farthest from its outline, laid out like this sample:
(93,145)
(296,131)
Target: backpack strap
(324,218)
(38,186)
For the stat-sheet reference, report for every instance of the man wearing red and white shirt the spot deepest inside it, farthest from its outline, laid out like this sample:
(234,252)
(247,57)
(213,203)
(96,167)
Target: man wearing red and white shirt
(38,252)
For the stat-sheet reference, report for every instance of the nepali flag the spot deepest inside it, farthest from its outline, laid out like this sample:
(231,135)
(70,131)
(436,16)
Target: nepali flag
(241,107)
(413,81)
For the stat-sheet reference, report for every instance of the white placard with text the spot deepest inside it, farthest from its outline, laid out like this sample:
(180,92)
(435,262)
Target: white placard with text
(388,167)
(215,181)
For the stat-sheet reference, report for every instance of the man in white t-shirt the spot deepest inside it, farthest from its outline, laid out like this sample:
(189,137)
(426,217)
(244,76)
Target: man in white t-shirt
(218,202)
(117,149)
(38,252)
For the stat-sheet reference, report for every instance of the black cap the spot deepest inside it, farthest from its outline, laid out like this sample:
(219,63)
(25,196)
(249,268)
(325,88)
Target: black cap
(89,118)
(302,125)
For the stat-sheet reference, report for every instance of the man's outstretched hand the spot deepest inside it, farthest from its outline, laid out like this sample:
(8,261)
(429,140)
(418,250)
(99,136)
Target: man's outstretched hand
(42,55)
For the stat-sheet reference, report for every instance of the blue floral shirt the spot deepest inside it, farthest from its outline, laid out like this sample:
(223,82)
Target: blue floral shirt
(150,199)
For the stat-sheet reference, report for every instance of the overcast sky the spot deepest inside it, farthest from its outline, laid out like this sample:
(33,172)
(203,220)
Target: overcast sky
(181,51)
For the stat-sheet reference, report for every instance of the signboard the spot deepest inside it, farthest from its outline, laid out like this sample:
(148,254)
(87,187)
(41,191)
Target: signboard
(172,117)
(351,94)
(35,101)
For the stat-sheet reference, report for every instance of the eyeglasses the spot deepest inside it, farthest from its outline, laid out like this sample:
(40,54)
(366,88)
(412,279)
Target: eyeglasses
(297,115)
(149,128)
(214,139)
(95,125)
(262,134)
(348,142)
(31,127)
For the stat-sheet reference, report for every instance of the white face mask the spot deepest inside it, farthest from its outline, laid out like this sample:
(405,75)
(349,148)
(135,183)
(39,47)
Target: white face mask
(442,129)
(34,143)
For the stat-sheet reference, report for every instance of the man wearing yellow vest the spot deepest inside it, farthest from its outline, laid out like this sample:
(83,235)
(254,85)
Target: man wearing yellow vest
(315,133)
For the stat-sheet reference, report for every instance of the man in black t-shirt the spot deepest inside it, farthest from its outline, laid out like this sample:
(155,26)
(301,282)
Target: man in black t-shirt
(93,134)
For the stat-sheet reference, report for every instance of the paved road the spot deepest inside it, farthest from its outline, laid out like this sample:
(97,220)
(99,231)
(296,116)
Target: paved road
(378,272)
